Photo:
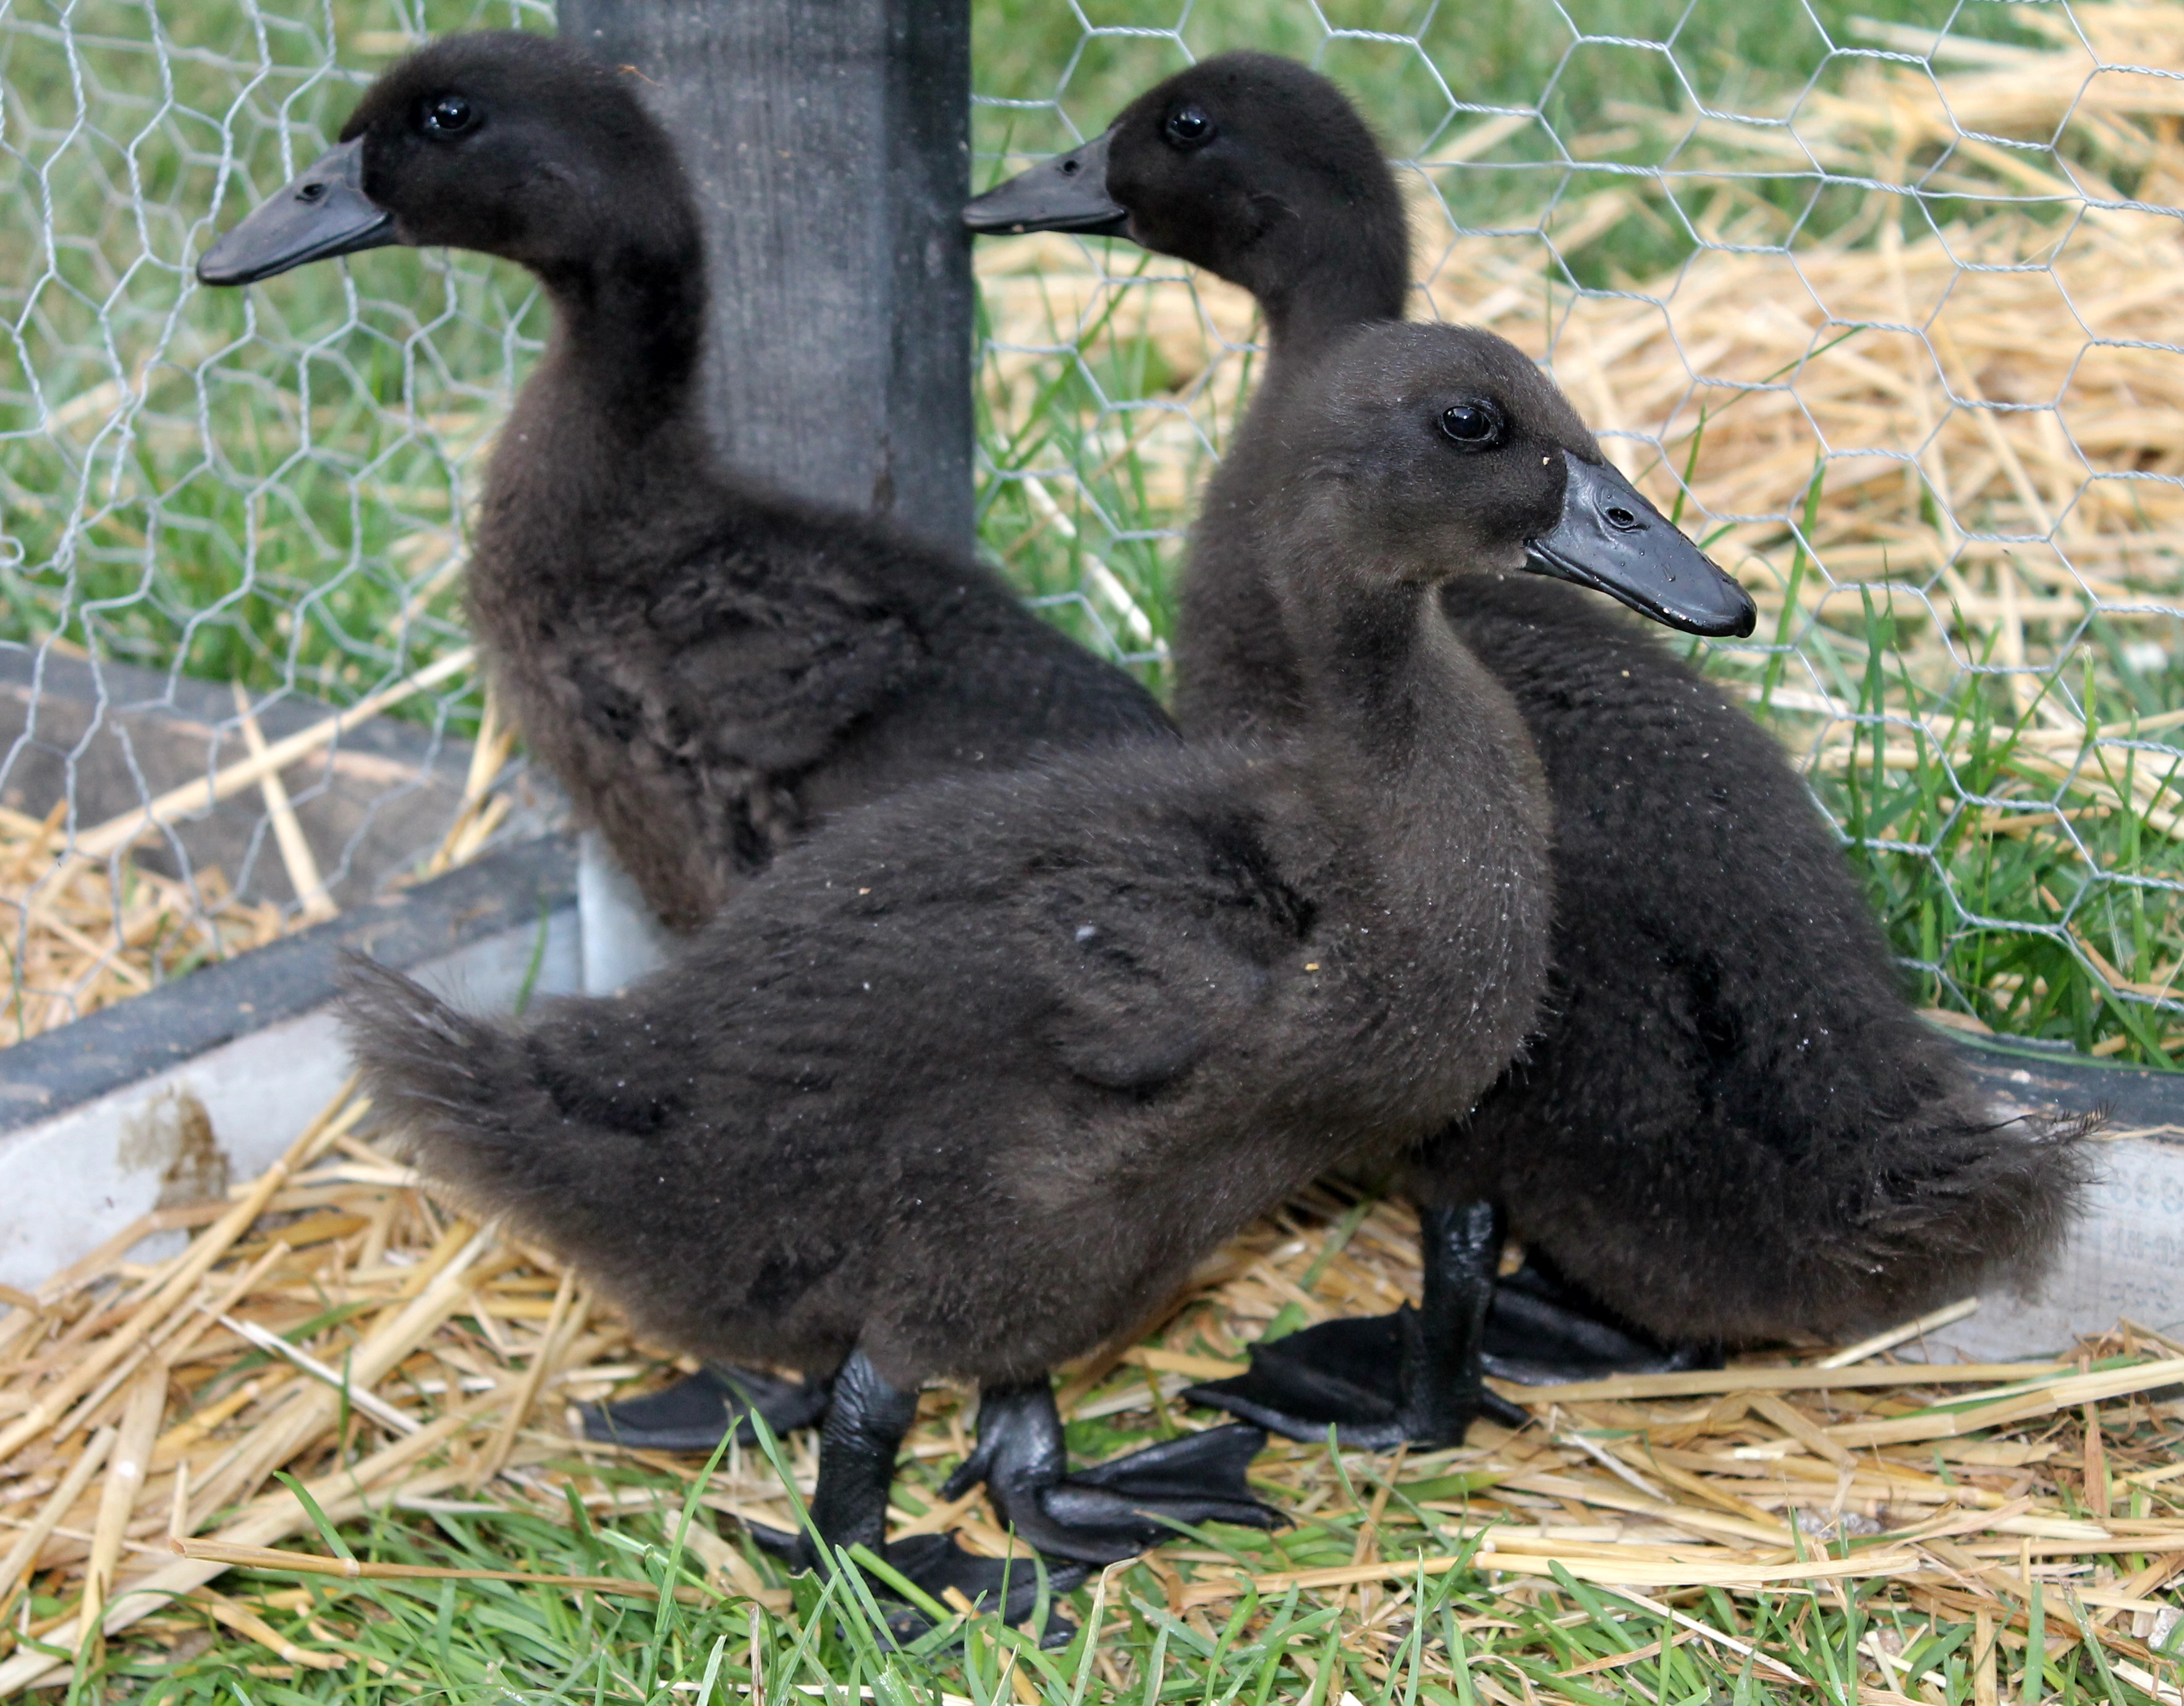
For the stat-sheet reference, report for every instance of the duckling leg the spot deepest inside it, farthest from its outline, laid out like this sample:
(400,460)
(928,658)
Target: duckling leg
(858,1447)
(1112,1511)
(1417,1375)
(693,1415)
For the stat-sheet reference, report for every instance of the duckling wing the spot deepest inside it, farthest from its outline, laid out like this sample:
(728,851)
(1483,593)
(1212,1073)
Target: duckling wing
(1154,945)
(1109,1033)
(696,718)
(767,671)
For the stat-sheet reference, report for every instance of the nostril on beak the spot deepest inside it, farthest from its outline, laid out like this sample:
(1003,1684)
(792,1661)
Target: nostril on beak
(1071,168)
(1621,517)
(315,191)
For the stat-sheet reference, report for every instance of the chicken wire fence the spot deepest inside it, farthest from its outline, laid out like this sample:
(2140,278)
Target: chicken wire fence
(1880,300)
(221,511)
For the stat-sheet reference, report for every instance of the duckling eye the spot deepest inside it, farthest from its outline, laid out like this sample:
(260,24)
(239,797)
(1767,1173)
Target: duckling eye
(1189,127)
(449,116)
(1474,425)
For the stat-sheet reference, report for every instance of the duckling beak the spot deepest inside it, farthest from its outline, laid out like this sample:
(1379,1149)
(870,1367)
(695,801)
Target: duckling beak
(1611,539)
(1067,193)
(323,212)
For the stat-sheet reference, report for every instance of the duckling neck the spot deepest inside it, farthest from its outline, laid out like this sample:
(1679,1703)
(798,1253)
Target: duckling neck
(1420,761)
(1338,289)
(613,409)
(1330,268)
(1384,677)
(1236,672)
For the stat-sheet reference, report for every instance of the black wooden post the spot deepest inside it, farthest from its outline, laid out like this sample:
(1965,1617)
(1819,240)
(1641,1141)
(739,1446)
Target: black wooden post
(829,144)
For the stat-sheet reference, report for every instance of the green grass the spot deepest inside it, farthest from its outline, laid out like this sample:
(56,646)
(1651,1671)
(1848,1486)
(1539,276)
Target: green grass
(1102,524)
(2004,923)
(1451,1639)
(254,485)
(2020,878)
(1449,64)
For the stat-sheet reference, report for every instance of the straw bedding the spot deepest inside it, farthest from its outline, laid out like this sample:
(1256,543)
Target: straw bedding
(145,1407)
(110,933)
(87,924)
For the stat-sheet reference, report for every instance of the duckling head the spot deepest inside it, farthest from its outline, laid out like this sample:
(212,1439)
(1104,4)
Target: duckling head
(1251,165)
(1441,450)
(511,144)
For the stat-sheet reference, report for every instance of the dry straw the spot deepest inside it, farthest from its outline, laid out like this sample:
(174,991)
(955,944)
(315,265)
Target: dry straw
(110,933)
(427,1357)
(91,924)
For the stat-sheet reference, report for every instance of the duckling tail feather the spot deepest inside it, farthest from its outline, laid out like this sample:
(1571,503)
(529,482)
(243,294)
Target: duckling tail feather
(1877,1232)
(1886,1230)
(1962,1209)
(1729,1237)
(478,1108)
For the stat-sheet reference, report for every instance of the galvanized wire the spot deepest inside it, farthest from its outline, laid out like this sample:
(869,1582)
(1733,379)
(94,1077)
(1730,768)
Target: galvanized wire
(262,487)
(1883,307)
(1751,259)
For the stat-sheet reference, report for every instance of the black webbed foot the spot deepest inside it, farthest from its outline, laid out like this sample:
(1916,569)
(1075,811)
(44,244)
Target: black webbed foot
(865,1420)
(1362,1376)
(934,1563)
(1007,1586)
(694,1414)
(1116,1509)
(1542,1330)
(1420,1374)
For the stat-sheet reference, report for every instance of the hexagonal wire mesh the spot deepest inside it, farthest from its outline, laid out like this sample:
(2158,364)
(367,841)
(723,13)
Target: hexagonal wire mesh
(219,507)
(1878,304)
(1883,306)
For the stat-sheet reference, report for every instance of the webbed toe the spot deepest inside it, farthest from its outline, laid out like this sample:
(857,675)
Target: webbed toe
(1118,1509)
(941,1570)
(1342,1374)
(1362,1376)
(695,1414)
(1542,1330)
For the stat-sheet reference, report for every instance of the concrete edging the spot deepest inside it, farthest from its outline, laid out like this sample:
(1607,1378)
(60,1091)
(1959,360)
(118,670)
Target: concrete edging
(2127,1258)
(163,1099)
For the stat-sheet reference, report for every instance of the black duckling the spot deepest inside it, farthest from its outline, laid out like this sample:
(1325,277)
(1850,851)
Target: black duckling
(967,1084)
(1732,1125)
(709,669)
